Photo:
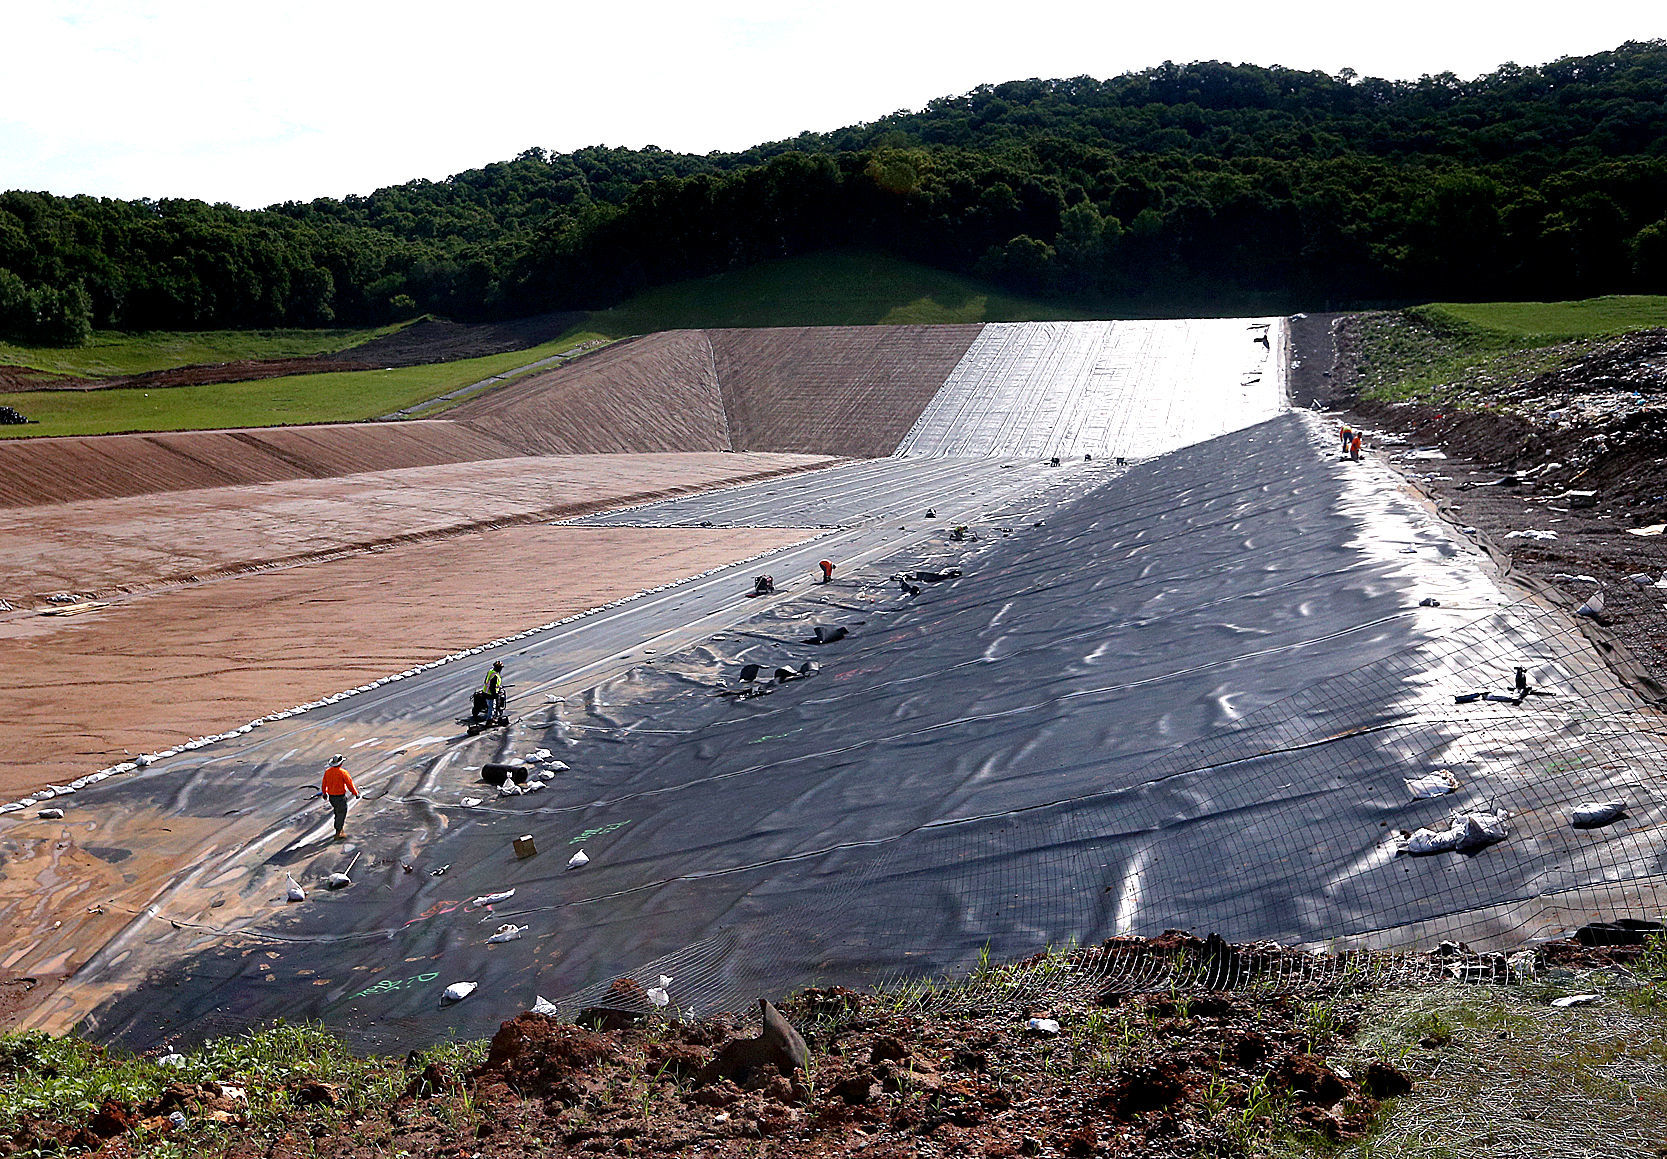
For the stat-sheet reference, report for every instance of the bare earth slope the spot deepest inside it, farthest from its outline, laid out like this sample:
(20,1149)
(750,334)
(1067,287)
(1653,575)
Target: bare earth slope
(812,388)
(101,547)
(59,470)
(657,393)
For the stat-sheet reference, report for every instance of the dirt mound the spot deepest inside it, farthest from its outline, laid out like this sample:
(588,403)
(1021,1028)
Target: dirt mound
(207,372)
(538,1057)
(34,471)
(437,340)
(841,390)
(658,393)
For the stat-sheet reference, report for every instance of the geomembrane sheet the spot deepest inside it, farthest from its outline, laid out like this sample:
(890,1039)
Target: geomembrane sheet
(1190,699)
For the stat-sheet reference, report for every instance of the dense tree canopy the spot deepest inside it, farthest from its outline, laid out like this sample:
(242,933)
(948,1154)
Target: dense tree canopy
(1205,182)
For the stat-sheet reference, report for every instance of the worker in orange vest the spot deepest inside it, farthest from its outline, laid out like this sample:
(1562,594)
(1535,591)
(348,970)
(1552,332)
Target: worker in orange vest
(827,571)
(335,787)
(1354,448)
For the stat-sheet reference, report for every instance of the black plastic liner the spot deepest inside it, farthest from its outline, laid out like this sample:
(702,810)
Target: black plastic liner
(1186,700)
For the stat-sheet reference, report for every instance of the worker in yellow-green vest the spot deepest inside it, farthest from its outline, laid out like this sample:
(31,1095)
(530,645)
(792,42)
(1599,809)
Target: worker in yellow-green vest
(493,690)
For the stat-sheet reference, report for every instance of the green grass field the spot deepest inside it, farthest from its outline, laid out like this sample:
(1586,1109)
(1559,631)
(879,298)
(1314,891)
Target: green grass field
(829,289)
(113,352)
(1451,350)
(345,396)
(1543,323)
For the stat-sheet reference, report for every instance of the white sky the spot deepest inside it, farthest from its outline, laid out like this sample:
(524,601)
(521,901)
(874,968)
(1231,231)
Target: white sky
(252,103)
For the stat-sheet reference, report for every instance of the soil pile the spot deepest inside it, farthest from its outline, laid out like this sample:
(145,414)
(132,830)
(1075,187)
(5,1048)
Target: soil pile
(1150,1074)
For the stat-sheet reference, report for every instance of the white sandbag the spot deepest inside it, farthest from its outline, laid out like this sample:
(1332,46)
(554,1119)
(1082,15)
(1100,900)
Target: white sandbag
(1464,832)
(337,881)
(295,892)
(1596,813)
(577,860)
(542,1005)
(458,991)
(1436,784)
(491,898)
(506,933)
(50,814)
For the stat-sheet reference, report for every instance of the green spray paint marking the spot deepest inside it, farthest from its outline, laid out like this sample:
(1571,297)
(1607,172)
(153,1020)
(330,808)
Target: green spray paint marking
(389,985)
(775,735)
(589,833)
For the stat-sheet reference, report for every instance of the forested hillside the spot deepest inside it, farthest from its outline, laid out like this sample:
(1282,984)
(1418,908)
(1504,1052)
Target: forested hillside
(1202,182)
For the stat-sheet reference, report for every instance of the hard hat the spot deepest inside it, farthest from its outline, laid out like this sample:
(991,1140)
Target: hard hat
(336,760)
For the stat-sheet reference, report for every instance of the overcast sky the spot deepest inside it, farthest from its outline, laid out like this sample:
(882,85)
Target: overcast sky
(254,103)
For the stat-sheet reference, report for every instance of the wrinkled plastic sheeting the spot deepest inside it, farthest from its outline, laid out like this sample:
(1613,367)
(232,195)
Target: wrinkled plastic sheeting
(1190,699)
(1129,388)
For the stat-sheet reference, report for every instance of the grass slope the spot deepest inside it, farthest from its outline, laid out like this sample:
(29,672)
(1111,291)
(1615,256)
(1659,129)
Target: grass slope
(1440,348)
(1543,323)
(346,396)
(112,352)
(827,289)
(817,290)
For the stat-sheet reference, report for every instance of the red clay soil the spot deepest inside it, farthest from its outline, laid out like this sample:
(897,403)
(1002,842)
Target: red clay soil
(1220,1074)
(149,670)
(108,466)
(99,547)
(658,393)
(846,390)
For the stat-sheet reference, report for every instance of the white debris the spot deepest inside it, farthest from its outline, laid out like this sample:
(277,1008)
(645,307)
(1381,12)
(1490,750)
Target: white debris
(661,995)
(557,766)
(532,786)
(1642,578)
(1596,812)
(542,1005)
(1521,966)
(492,898)
(1043,1025)
(177,1061)
(1577,1000)
(295,892)
(506,933)
(50,814)
(1464,832)
(1436,784)
(577,860)
(1652,529)
(458,991)
(235,1094)
(469,802)
(1530,534)
(510,789)
(337,881)
(1592,608)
